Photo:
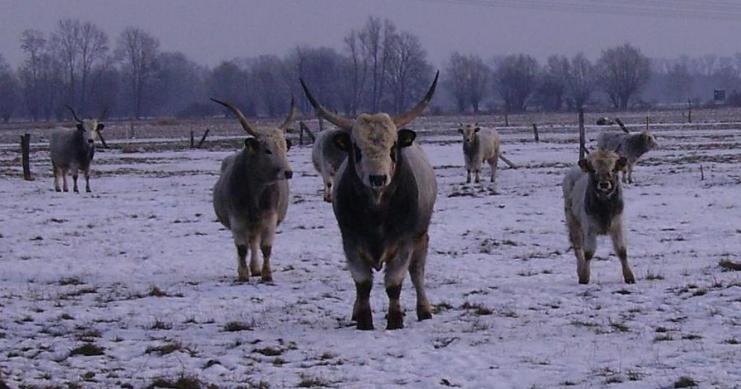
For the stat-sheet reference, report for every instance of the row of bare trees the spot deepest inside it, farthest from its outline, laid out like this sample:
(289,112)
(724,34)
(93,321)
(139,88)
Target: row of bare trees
(519,81)
(378,68)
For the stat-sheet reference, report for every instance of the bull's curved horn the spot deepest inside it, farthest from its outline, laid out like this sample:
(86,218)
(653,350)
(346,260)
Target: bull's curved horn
(242,119)
(291,115)
(408,116)
(74,115)
(337,120)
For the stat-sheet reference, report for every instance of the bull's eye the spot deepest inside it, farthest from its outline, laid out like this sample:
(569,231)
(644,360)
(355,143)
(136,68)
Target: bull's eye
(357,152)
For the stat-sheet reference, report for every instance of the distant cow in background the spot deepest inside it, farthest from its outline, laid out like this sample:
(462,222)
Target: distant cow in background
(251,196)
(593,204)
(383,200)
(72,150)
(479,146)
(327,158)
(631,146)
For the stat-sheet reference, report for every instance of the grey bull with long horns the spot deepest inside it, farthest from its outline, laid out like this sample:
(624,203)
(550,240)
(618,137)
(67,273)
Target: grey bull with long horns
(251,196)
(383,198)
(72,150)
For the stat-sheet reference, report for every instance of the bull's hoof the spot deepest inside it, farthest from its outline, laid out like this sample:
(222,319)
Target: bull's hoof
(629,279)
(395,320)
(365,320)
(266,278)
(243,275)
(583,281)
(57,189)
(88,190)
(66,190)
(423,313)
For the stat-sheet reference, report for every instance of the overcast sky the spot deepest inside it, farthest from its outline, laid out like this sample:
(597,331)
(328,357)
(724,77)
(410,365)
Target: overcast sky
(214,30)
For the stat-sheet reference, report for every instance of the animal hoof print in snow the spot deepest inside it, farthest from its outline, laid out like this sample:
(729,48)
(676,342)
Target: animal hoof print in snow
(423,313)
(395,321)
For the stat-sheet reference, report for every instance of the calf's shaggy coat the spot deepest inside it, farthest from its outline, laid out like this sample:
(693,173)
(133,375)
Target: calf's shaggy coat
(593,204)
(479,145)
(250,197)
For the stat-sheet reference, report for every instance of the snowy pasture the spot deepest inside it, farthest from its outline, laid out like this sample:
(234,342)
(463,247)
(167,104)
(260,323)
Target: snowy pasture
(135,284)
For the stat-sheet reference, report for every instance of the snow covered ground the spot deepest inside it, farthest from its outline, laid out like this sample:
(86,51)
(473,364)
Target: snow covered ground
(137,282)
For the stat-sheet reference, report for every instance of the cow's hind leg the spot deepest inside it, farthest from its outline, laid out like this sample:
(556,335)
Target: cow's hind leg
(254,242)
(87,180)
(575,237)
(56,171)
(363,278)
(74,180)
(396,269)
(240,241)
(417,273)
(618,243)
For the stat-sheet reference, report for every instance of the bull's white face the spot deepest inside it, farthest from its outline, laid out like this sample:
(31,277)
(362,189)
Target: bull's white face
(271,150)
(90,128)
(374,143)
(469,132)
(603,166)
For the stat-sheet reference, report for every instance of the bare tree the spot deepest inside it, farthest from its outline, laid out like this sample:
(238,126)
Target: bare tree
(552,86)
(376,39)
(478,78)
(623,72)
(271,90)
(138,52)
(93,46)
(66,47)
(9,87)
(229,82)
(33,45)
(408,70)
(516,80)
(358,70)
(679,82)
(580,82)
(456,80)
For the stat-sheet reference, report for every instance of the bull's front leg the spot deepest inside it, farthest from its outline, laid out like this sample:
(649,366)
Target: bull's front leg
(363,277)
(417,273)
(618,244)
(87,180)
(266,246)
(396,269)
(468,176)
(243,273)
(477,179)
(589,246)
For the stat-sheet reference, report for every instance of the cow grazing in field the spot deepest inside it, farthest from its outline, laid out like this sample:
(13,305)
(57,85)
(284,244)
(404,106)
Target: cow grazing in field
(251,196)
(327,159)
(593,204)
(479,146)
(631,146)
(72,150)
(383,198)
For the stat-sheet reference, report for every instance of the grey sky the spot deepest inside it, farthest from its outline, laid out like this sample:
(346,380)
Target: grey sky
(210,31)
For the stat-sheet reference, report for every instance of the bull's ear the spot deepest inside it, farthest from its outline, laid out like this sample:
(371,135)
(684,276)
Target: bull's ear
(100,127)
(477,129)
(406,137)
(620,164)
(80,127)
(288,144)
(460,130)
(251,144)
(585,165)
(342,141)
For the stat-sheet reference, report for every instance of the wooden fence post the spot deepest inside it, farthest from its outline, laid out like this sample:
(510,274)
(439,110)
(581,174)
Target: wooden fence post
(25,156)
(622,125)
(203,138)
(582,136)
(689,110)
(192,140)
(535,132)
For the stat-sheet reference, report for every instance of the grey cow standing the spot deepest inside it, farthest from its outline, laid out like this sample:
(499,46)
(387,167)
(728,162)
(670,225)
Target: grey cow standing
(593,205)
(383,199)
(631,146)
(72,150)
(479,146)
(251,196)
(327,159)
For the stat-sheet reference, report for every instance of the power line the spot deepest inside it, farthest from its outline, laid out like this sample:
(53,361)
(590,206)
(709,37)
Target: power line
(677,9)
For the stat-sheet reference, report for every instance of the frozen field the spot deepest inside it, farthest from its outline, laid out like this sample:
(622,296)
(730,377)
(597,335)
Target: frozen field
(137,282)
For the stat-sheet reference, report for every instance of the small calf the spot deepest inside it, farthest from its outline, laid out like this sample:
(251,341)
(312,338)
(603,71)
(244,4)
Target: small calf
(479,146)
(631,146)
(593,204)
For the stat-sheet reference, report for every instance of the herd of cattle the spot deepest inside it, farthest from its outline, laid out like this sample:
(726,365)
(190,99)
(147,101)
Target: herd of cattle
(382,189)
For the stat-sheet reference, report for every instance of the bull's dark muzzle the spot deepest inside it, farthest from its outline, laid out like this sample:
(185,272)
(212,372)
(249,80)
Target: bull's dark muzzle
(377,180)
(604,185)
